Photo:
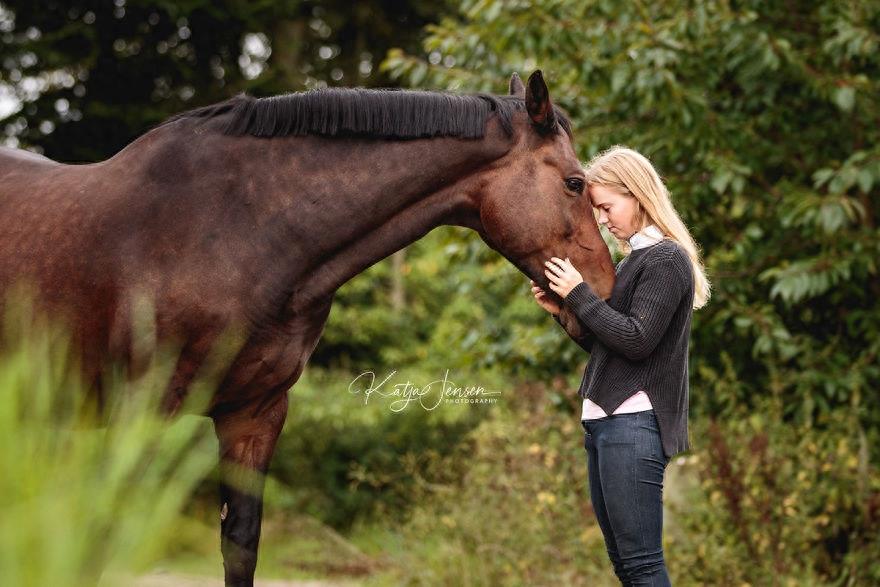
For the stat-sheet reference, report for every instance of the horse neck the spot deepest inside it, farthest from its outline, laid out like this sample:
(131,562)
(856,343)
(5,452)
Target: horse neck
(341,205)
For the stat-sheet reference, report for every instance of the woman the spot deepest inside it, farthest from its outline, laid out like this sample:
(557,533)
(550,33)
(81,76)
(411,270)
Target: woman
(638,368)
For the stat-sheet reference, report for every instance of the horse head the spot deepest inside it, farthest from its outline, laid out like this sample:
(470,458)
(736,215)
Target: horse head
(535,204)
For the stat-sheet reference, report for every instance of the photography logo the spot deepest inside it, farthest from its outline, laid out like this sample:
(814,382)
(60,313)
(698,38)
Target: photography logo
(428,396)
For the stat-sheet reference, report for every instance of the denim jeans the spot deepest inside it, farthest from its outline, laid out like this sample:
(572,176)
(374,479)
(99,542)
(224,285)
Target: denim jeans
(626,464)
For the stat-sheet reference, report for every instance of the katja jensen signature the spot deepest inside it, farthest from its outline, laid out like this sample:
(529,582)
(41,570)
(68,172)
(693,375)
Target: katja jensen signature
(428,396)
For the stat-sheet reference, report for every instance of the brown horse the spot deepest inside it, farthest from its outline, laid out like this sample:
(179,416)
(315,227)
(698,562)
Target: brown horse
(255,211)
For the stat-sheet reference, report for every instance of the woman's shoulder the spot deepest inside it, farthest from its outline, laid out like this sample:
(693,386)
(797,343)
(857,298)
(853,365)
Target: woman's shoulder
(671,254)
(665,250)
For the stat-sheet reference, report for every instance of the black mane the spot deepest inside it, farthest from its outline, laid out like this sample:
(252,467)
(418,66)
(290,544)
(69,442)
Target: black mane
(392,114)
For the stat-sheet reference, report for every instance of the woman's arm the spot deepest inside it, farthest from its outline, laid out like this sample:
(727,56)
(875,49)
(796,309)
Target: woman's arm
(657,294)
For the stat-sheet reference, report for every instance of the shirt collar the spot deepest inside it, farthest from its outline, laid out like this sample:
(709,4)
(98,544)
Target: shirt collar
(650,235)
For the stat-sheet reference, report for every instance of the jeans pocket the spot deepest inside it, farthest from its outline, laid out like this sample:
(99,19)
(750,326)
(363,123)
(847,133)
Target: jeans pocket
(588,437)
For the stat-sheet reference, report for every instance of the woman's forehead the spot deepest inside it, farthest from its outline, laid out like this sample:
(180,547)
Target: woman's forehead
(601,194)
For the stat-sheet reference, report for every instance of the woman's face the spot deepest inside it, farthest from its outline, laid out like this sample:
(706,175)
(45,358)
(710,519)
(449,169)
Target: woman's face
(616,211)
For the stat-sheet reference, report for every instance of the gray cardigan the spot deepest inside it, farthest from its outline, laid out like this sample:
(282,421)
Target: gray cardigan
(639,339)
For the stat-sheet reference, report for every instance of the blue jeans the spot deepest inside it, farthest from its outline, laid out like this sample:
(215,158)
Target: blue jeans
(625,464)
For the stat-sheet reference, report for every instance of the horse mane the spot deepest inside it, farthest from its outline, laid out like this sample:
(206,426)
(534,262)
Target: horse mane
(382,113)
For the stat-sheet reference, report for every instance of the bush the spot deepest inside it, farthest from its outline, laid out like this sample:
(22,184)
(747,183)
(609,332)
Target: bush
(794,502)
(343,459)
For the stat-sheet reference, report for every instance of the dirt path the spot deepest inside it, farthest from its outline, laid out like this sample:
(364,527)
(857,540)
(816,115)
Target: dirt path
(177,580)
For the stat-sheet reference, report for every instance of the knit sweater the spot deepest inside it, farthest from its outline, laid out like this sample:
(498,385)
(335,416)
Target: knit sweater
(638,401)
(639,338)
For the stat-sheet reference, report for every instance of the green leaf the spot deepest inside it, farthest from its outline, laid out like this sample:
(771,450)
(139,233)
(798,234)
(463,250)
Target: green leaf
(866,180)
(845,98)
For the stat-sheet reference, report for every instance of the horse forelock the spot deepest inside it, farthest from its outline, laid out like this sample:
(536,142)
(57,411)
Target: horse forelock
(385,113)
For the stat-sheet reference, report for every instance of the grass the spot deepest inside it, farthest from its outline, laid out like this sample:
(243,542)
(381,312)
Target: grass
(87,494)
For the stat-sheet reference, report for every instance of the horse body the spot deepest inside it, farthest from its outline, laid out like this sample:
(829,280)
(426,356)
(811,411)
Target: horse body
(188,223)
(221,230)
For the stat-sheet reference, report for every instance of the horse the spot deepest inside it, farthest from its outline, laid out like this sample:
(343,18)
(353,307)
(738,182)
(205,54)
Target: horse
(254,211)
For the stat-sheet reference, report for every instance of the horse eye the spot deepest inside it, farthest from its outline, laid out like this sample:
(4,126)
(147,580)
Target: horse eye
(575,184)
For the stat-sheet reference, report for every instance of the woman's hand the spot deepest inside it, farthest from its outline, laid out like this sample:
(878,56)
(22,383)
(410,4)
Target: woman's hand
(562,275)
(543,300)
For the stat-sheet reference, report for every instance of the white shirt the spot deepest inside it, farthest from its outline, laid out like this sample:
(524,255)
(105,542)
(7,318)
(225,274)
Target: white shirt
(637,402)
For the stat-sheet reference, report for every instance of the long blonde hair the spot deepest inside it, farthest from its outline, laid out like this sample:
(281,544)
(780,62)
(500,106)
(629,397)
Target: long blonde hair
(629,173)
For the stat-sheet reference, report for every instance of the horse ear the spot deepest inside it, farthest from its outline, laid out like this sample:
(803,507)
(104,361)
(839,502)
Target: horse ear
(538,103)
(516,86)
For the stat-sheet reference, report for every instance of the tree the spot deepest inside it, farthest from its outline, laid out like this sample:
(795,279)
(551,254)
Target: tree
(89,77)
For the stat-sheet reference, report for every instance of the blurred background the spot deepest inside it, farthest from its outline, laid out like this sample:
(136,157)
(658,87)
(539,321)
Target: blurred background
(763,117)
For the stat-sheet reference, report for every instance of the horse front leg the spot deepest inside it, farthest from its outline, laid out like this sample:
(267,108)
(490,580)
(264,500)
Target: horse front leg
(247,442)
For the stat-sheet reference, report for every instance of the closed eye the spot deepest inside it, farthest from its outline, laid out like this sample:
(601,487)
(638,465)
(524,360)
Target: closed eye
(575,184)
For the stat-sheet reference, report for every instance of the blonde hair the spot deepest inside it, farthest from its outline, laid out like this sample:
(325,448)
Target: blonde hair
(629,173)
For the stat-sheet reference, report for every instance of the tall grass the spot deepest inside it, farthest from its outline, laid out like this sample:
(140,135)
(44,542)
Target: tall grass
(87,498)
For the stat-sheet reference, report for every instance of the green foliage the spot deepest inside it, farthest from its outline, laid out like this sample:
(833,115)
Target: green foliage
(344,459)
(85,499)
(365,331)
(757,498)
(800,505)
(763,120)
(93,76)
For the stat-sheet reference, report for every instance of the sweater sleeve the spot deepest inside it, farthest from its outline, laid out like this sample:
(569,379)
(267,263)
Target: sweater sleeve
(655,298)
(585,341)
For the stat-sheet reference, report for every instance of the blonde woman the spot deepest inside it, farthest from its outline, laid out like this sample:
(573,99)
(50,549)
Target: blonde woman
(635,387)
